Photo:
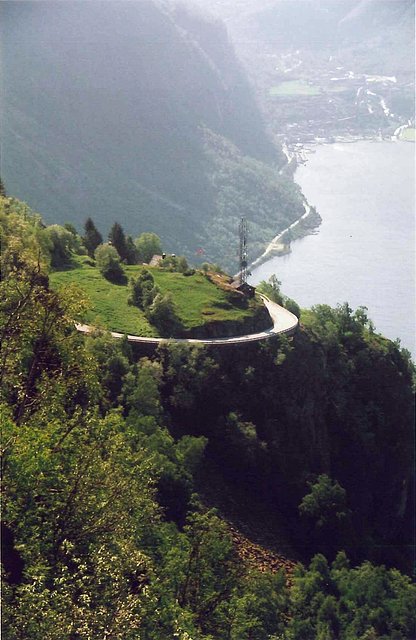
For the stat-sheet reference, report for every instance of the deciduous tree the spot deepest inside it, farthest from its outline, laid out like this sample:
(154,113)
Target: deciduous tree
(148,245)
(108,262)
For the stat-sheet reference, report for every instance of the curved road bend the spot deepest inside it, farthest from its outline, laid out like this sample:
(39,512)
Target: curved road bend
(283,322)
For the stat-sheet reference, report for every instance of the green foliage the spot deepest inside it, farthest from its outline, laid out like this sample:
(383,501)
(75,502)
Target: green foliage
(109,301)
(118,240)
(108,263)
(340,401)
(199,302)
(92,237)
(147,245)
(340,603)
(162,313)
(88,497)
(39,347)
(70,227)
(132,256)
(214,268)
(188,370)
(177,263)
(326,501)
(292,306)
(259,612)
(244,186)
(271,289)
(102,452)
(341,325)
(63,243)
(143,290)
(24,240)
(141,389)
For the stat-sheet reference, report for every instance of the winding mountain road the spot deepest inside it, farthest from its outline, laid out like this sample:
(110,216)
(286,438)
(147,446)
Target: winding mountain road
(283,322)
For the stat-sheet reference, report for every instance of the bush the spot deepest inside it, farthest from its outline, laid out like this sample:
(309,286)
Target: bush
(108,262)
(162,314)
(143,290)
(271,289)
(147,245)
(178,264)
(63,242)
(293,307)
(209,266)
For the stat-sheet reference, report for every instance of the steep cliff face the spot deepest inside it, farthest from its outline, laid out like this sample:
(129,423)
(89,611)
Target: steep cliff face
(104,110)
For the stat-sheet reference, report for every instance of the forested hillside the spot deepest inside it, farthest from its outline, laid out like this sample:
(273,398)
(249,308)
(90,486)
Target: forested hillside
(122,110)
(110,461)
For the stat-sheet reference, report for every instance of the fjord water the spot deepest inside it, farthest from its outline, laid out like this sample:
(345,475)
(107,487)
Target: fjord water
(364,251)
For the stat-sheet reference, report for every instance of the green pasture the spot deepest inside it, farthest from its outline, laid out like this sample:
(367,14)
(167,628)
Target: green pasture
(197,300)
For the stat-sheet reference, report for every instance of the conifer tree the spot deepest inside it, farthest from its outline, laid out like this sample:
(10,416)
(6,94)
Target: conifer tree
(2,189)
(92,237)
(118,240)
(132,253)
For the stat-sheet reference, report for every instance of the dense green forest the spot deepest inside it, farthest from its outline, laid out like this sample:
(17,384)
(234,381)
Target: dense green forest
(110,460)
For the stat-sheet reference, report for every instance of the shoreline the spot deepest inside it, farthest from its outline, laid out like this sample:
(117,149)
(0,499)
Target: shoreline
(276,247)
(279,248)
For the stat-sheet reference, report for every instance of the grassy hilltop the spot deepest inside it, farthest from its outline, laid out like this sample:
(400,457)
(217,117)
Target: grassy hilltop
(204,309)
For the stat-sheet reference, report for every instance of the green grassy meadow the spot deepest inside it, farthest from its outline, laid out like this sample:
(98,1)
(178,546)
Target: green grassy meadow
(294,88)
(408,134)
(198,301)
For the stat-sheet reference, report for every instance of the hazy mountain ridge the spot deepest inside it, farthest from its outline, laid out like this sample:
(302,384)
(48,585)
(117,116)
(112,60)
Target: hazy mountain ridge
(103,108)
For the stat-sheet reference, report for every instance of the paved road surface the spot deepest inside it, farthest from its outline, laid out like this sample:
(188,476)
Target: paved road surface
(283,322)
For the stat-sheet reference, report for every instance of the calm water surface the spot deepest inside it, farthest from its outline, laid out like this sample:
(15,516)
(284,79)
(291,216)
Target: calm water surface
(364,251)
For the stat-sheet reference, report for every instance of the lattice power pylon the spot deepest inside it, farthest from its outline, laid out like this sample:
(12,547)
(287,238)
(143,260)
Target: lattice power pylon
(243,251)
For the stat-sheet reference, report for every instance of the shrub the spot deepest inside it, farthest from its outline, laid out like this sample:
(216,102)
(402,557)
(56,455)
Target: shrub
(108,262)
(293,307)
(63,242)
(162,314)
(147,245)
(143,290)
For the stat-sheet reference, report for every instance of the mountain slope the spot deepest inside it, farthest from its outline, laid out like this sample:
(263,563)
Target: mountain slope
(106,108)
